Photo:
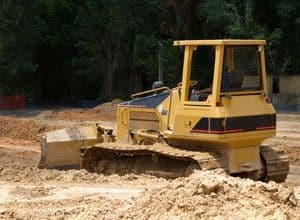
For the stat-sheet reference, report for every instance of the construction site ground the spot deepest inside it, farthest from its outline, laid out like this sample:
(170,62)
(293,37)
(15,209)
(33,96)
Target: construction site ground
(27,192)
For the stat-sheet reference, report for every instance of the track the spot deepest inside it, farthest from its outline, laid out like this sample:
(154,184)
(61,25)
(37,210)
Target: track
(157,159)
(277,164)
(162,160)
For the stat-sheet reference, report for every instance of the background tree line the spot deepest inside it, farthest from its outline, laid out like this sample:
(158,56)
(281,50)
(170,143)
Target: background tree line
(101,49)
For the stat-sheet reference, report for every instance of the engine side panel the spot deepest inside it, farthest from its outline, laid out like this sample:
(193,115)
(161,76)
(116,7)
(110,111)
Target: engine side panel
(146,113)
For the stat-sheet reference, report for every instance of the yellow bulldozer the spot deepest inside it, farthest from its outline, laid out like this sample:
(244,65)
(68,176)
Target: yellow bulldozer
(169,132)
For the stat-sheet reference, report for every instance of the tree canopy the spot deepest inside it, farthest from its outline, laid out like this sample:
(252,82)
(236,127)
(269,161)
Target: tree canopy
(101,49)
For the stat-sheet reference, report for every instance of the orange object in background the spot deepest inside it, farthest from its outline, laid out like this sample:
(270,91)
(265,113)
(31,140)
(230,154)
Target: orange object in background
(12,102)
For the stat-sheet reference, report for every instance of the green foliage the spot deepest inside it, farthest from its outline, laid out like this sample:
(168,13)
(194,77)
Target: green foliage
(16,37)
(145,55)
(53,49)
(247,28)
(173,61)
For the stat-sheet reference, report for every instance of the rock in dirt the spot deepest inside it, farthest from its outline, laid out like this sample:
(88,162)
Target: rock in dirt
(295,197)
(208,186)
(47,114)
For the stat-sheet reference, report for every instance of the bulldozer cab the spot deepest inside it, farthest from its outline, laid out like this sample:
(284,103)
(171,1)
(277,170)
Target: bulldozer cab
(231,67)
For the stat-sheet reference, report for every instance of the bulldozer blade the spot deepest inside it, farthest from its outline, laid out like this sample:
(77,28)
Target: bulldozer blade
(61,148)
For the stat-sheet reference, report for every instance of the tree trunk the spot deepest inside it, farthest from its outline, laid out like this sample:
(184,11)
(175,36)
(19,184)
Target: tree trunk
(112,63)
(108,80)
(132,71)
(160,61)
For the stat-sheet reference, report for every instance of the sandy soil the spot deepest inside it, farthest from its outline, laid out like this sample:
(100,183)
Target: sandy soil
(27,192)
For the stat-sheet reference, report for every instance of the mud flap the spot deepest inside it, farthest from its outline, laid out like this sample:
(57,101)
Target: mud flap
(61,148)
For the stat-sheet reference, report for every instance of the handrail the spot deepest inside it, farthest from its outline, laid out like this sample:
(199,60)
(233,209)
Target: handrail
(149,91)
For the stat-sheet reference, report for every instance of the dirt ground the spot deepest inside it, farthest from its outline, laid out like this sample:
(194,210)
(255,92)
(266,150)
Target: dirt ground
(27,192)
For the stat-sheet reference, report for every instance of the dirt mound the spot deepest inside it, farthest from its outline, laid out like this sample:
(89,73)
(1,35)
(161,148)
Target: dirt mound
(105,112)
(22,129)
(203,195)
(207,194)
(107,109)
